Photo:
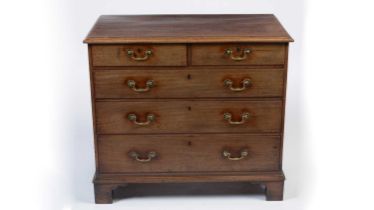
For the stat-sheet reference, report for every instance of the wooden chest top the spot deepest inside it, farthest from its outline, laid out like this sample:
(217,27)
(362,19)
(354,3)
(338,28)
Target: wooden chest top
(187,29)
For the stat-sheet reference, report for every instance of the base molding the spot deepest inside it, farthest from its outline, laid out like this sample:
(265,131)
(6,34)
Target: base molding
(106,183)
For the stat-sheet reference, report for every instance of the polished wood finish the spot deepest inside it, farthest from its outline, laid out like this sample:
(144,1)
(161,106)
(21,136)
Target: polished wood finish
(274,191)
(188,177)
(187,29)
(260,54)
(175,83)
(179,116)
(188,153)
(105,184)
(117,55)
(188,99)
(104,193)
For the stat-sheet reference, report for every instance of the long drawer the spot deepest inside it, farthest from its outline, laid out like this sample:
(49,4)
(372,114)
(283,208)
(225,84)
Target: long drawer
(202,83)
(187,153)
(192,116)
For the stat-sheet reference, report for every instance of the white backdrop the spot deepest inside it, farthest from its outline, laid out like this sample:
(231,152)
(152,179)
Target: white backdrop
(46,151)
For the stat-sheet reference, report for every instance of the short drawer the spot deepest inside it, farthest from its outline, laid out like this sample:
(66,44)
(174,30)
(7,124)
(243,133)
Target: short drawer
(188,153)
(200,83)
(139,55)
(238,54)
(181,116)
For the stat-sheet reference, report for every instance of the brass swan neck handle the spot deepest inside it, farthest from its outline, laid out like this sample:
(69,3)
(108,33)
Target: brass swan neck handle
(244,118)
(133,56)
(242,56)
(243,154)
(246,83)
(136,156)
(148,85)
(134,118)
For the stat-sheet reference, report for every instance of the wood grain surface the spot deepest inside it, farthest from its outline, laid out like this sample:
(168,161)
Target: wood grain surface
(162,55)
(188,177)
(200,83)
(260,54)
(182,116)
(187,29)
(188,153)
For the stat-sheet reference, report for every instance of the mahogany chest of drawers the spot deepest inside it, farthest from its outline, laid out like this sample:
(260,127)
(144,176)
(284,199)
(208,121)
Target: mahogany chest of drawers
(188,98)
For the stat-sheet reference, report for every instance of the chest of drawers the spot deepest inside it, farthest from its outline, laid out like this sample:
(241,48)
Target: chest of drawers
(188,98)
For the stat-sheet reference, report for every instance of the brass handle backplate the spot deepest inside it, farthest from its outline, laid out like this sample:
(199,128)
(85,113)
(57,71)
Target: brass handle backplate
(243,154)
(148,85)
(245,84)
(132,55)
(136,156)
(244,118)
(242,56)
(133,118)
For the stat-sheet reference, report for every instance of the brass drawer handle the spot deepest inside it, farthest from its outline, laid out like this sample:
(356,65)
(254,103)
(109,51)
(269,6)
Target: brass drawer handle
(148,85)
(245,84)
(242,56)
(133,118)
(228,116)
(136,156)
(132,55)
(243,154)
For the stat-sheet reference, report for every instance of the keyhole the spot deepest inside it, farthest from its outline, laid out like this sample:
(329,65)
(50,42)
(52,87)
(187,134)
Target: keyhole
(188,76)
(189,108)
(189,143)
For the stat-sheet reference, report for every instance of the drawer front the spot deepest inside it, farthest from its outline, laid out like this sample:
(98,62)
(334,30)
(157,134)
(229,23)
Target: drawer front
(174,116)
(238,54)
(188,83)
(139,55)
(187,153)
